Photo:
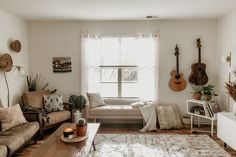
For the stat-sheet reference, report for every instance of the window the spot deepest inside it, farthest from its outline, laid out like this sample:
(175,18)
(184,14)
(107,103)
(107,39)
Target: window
(123,78)
(121,67)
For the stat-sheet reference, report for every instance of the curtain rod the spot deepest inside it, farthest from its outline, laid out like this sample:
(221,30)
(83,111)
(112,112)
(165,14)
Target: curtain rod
(118,66)
(117,36)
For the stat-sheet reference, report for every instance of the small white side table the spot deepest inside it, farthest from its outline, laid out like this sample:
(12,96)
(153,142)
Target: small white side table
(199,130)
(226,128)
(190,104)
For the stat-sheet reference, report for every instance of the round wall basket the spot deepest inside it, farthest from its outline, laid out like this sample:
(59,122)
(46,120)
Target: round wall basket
(15,46)
(6,62)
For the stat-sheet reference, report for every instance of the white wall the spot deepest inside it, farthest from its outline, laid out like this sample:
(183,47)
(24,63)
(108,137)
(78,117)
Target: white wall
(50,39)
(226,43)
(12,28)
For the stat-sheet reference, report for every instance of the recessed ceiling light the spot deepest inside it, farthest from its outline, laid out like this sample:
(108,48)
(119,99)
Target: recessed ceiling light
(152,17)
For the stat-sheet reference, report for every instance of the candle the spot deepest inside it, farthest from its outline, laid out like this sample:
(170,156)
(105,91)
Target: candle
(68,131)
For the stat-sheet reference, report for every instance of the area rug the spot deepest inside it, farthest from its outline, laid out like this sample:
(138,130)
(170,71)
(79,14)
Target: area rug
(143,145)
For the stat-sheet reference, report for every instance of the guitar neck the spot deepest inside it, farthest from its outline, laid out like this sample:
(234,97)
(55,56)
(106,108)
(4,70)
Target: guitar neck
(199,54)
(177,64)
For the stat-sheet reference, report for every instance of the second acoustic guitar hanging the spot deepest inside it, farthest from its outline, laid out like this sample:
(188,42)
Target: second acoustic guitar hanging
(198,74)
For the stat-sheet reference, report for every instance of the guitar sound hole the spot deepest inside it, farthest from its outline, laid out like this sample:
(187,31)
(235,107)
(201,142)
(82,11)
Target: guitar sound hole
(177,76)
(199,69)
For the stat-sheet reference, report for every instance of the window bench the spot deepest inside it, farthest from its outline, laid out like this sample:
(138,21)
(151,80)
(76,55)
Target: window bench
(115,108)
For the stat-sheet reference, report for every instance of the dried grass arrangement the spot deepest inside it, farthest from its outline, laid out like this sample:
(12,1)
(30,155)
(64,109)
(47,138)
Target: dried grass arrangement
(231,88)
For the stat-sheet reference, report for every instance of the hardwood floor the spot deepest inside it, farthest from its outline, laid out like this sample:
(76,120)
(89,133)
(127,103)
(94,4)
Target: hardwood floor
(121,129)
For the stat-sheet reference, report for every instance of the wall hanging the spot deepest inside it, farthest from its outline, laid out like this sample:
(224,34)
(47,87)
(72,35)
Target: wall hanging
(61,64)
(15,46)
(6,65)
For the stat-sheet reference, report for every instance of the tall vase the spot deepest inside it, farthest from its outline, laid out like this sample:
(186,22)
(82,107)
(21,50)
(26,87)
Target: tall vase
(234,108)
(77,116)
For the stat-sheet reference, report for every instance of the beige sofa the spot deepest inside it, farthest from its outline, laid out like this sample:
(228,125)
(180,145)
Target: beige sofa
(114,108)
(15,138)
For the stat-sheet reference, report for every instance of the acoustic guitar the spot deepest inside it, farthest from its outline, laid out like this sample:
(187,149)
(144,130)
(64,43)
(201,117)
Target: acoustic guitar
(177,82)
(198,74)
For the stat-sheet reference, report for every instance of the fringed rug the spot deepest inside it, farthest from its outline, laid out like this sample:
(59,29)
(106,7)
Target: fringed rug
(143,145)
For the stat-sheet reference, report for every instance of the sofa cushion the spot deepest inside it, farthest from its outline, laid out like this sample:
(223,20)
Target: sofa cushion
(125,110)
(3,151)
(11,116)
(95,100)
(17,136)
(120,101)
(34,99)
(53,103)
(169,117)
(56,117)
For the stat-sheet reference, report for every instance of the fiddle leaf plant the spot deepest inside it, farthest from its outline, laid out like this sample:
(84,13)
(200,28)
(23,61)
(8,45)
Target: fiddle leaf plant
(79,101)
(208,90)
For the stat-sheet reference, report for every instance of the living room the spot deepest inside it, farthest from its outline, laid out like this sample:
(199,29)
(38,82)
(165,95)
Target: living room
(165,35)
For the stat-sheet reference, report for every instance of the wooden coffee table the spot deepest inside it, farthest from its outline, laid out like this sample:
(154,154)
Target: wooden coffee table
(55,147)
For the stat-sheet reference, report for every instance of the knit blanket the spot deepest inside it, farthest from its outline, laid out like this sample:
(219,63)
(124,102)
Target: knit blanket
(148,111)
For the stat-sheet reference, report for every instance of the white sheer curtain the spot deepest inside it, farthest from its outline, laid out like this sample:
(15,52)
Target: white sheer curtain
(141,52)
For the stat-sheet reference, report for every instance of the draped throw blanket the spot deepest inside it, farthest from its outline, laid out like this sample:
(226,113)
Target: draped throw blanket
(148,111)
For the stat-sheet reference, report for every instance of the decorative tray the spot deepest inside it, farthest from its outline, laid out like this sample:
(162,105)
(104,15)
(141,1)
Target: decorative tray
(74,138)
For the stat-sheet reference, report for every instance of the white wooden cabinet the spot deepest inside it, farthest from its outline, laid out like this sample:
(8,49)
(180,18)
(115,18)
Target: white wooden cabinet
(226,128)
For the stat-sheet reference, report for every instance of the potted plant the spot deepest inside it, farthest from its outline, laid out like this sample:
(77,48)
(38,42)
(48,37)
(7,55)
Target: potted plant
(36,83)
(231,89)
(79,102)
(208,92)
(32,83)
(197,92)
(81,127)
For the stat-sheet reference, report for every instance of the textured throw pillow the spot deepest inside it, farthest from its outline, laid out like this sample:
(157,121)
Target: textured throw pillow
(169,117)
(95,100)
(53,103)
(11,116)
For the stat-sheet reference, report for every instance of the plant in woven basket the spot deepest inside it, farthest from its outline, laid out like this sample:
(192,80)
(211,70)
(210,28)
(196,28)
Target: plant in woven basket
(36,82)
(231,88)
(32,82)
(79,102)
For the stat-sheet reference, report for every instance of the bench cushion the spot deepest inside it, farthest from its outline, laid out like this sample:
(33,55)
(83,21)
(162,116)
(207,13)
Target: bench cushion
(125,110)
(120,101)
(3,151)
(17,136)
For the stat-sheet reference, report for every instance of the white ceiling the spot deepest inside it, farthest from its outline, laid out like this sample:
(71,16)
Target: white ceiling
(34,10)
